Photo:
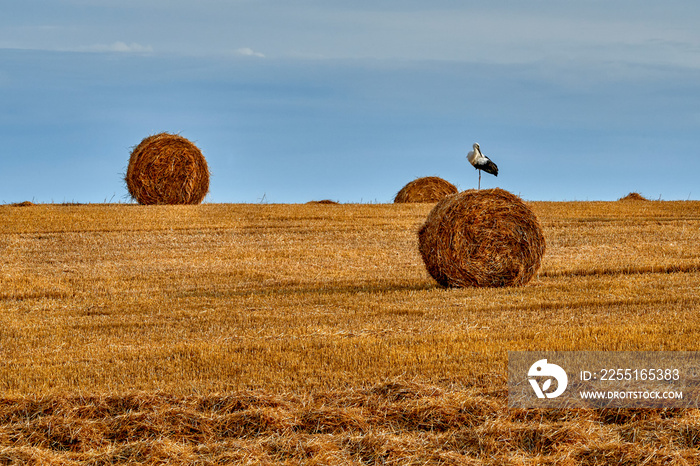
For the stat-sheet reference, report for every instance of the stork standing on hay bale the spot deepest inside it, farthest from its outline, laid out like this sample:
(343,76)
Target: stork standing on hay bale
(481,162)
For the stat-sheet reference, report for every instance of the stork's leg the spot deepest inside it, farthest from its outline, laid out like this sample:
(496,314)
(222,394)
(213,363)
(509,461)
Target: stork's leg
(479,179)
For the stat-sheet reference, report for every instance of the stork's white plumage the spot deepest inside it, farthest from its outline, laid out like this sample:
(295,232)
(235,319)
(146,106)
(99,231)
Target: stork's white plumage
(481,162)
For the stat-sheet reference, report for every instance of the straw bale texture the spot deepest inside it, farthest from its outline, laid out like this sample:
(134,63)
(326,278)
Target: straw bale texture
(167,169)
(426,189)
(481,238)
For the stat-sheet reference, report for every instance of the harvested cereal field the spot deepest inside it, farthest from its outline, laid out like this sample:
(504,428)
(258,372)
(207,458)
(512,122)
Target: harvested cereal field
(312,334)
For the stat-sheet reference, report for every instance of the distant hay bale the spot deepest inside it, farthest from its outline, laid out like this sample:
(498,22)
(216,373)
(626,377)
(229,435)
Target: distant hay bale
(633,197)
(426,189)
(481,238)
(167,169)
(324,201)
(23,204)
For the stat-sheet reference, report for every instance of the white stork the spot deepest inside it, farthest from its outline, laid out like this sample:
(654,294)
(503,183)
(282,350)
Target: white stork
(481,162)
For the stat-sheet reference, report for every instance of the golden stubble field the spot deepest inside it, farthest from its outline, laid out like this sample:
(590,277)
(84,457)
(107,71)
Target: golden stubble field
(311,334)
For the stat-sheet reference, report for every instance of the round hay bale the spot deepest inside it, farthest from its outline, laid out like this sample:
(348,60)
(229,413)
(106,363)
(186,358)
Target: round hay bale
(426,189)
(633,197)
(324,201)
(481,238)
(167,169)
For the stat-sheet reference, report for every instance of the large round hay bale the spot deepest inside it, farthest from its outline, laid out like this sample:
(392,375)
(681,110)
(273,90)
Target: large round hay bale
(486,237)
(167,169)
(426,189)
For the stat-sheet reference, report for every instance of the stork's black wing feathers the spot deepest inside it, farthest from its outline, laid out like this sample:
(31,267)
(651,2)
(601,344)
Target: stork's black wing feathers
(488,166)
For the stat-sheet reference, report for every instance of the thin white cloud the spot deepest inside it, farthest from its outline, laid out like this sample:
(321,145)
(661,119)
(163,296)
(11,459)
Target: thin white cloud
(120,47)
(504,32)
(115,47)
(248,52)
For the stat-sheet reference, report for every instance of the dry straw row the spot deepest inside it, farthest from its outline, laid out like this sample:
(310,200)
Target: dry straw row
(389,423)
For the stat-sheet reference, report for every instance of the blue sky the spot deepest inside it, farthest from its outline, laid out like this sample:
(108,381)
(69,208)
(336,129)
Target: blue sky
(298,100)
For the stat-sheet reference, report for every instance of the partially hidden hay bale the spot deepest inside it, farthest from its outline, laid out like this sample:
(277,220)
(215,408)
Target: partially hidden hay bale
(426,189)
(481,238)
(633,197)
(324,201)
(167,169)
